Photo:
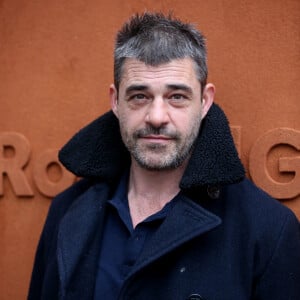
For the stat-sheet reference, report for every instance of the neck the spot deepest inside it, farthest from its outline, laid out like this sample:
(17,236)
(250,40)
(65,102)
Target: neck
(150,191)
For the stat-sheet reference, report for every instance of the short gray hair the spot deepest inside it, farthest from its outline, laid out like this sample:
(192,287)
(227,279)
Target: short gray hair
(154,39)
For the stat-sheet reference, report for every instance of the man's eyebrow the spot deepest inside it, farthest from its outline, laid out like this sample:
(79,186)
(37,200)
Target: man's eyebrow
(136,87)
(174,86)
(182,87)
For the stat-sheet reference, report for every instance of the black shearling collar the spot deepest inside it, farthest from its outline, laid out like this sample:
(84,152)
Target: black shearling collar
(97,151)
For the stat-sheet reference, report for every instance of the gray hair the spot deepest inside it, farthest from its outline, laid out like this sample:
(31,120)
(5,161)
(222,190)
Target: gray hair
(154,39)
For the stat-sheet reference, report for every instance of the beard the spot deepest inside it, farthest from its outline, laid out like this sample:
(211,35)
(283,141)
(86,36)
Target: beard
(160,156)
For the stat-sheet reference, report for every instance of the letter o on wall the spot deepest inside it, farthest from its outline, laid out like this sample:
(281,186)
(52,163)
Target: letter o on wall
(257,163)
(46,186)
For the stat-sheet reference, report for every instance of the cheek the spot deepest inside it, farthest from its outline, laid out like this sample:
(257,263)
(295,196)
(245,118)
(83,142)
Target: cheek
(190,126)
(129,122)
(187,120)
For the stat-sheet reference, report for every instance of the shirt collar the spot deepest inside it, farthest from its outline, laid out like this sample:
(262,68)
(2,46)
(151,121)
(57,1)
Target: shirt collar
(120,202)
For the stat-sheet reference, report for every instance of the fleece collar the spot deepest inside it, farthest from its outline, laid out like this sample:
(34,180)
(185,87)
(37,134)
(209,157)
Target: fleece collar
(97,151)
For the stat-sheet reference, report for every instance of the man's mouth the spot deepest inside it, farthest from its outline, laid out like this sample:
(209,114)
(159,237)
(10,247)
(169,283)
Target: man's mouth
(157,138)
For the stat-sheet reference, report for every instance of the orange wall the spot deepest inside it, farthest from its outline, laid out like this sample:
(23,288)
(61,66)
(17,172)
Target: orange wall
(55,69)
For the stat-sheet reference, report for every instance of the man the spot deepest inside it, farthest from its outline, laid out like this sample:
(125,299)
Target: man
(164,210)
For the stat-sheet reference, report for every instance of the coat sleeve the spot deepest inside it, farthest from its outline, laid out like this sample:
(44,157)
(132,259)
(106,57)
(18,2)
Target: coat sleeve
(45,278)
(281,277)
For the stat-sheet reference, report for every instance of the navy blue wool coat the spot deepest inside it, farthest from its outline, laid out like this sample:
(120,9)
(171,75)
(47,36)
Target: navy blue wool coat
(225,239)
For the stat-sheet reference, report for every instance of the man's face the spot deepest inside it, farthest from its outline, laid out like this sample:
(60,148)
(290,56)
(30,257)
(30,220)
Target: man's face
(160,110)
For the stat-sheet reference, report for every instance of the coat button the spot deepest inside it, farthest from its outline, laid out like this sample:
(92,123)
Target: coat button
(213,192)
(195,297)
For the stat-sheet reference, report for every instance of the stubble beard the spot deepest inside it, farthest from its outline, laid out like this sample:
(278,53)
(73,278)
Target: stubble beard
(158,156)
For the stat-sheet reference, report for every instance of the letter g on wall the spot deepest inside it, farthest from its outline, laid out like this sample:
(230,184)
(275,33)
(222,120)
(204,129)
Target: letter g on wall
(258,163)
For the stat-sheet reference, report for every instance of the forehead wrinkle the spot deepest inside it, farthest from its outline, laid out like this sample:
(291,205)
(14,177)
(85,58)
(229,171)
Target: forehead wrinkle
(141,81)
(136,87)
(138,73)
(136,69)
(165,76)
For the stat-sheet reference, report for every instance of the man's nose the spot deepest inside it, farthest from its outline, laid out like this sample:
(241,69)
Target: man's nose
(158,113)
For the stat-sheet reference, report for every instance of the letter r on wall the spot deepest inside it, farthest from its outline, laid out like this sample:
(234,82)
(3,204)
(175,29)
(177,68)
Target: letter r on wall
(13,166)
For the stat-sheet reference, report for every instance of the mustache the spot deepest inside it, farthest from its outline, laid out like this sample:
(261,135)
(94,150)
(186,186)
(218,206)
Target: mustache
(150,130)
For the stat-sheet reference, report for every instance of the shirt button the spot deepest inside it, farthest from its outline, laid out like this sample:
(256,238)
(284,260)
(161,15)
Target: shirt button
(195,297)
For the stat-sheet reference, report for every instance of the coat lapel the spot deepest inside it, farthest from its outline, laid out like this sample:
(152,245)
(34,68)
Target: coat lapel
(77,231)
(186,221)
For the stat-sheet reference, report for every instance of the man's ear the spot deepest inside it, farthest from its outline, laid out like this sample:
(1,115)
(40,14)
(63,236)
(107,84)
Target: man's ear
(208,96)
(113,94)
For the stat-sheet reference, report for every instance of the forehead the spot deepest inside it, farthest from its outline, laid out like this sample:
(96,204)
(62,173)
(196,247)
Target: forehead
(175,71)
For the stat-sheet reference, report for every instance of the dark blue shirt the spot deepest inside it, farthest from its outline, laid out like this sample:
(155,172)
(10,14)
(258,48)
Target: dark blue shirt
(121,243)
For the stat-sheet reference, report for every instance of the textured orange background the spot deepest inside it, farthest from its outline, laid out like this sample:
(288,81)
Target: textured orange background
(56,66)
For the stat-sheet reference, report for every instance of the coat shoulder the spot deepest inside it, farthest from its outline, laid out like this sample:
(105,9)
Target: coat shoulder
(64,200)
(257,212)
(256,202)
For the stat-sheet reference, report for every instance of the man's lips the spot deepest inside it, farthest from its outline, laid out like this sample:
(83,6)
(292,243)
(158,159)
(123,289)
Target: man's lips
(156,138)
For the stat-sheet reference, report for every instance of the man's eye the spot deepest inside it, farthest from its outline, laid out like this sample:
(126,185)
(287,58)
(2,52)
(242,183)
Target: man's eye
(177,97)
(138,97)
